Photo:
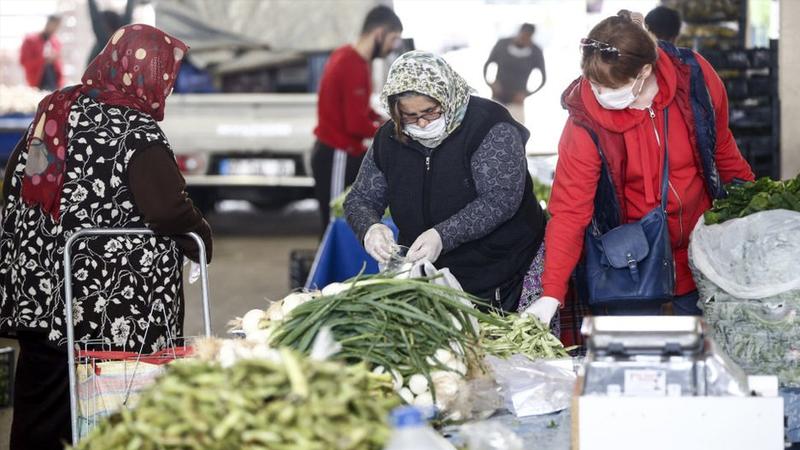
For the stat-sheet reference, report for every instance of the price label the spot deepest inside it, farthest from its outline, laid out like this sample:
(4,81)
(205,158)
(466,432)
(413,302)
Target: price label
(645,383)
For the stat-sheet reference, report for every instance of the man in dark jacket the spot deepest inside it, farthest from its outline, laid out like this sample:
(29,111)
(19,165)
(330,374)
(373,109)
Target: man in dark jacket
(105,23)
(516,58)
(664,23)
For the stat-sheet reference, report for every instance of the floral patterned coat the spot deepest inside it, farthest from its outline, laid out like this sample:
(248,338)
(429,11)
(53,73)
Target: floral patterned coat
(128,290)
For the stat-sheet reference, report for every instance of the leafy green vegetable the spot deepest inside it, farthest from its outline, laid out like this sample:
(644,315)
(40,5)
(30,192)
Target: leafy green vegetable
(752,197)
(255,404)
(337,205)
(398,324)
(518,334)
(542,192)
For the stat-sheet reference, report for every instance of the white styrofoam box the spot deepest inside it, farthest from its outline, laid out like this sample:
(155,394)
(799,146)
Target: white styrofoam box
(685,423)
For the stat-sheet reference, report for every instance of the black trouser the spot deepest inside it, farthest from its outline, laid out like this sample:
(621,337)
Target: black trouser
(334,170)
(41,396)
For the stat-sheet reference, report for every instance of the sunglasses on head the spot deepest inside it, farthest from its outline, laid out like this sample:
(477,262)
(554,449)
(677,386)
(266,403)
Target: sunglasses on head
(607,51)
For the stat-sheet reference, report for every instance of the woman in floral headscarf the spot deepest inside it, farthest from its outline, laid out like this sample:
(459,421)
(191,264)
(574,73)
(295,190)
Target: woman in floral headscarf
(451,167)
(94,157)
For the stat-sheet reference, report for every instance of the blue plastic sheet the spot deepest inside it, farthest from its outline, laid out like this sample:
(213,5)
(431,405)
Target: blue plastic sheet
(340,256)
(12,128)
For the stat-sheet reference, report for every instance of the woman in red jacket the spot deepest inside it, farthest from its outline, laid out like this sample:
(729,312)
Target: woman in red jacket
(628,83)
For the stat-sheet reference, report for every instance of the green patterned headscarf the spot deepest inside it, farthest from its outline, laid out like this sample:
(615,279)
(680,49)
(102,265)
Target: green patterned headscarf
(429,74)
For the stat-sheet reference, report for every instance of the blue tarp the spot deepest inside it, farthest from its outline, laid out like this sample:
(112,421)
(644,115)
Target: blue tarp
(545,432)
(340,256)
(12,128)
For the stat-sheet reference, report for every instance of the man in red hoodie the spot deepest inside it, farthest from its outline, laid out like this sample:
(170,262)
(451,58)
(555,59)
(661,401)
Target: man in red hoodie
(344,116)
(627,85)
(40,56)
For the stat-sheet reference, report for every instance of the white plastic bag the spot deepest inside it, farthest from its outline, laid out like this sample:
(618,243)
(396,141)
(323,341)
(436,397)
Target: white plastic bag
(747,274)
(534,387)
(491,436)
(754,257)
(194,270)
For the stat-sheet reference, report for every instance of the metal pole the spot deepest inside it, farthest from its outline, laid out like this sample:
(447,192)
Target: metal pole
(201,256)
(73,396)
(73,385)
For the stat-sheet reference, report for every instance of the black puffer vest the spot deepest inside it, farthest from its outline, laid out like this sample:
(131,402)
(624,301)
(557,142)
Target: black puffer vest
(428,186)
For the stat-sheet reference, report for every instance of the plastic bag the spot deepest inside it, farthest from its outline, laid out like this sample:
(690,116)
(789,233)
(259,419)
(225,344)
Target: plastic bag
(746,273)
(479,397)
(490,436)
(534,387)
(194,270)
(723,377)
(754,257)
(107,387)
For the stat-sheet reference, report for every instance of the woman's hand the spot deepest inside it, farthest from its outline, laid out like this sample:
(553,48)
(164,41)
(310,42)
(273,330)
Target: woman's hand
(427,246)
(543,308)
(378,242)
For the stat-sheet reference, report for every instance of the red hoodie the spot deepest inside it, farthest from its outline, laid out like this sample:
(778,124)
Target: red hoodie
(578,169)
(31,57)
(344,116)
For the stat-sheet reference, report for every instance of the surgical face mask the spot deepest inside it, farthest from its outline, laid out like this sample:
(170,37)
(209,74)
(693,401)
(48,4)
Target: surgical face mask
(619,98)
(433,130)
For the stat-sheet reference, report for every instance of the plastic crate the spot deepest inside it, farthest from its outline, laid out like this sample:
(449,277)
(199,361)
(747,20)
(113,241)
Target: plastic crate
(736,87)
(760,58)
(300,262)
(737,59)
(6,376)
(759,86)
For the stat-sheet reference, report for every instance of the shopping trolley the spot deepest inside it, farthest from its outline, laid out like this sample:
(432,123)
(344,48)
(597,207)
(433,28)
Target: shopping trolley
(130,371)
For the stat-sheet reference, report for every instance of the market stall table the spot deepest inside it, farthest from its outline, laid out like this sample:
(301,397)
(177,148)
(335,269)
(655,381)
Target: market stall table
(549,431)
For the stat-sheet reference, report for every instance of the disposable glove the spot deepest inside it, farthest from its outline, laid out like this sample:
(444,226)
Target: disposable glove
(427,246)
(544,308)
(378,242)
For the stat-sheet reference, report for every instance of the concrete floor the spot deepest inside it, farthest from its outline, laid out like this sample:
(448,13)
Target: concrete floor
(250,266)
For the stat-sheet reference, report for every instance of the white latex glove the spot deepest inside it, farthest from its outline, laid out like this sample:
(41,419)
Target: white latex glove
(427,246)
(378,242)
(544,308)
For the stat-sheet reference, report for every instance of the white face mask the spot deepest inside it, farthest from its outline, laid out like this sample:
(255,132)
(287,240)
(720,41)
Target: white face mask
(619,98)
(433,130)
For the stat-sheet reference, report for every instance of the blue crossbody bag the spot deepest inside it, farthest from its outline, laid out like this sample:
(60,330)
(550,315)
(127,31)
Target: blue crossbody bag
(632,263)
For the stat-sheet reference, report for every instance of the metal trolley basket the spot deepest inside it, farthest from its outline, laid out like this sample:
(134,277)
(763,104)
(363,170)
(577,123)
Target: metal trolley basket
(102,381)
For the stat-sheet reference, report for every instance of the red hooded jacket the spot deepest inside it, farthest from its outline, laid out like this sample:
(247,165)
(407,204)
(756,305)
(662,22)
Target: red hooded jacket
(31,57)
(578,170)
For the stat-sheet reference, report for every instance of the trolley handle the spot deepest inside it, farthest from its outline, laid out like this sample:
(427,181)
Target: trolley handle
(68,297)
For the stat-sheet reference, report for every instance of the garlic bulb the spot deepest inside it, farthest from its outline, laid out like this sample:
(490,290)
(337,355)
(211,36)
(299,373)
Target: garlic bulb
(446,384)
(334,288)
(418,384)
(406,395)
(397,379)
(424,399)
(252,320)
(294,300)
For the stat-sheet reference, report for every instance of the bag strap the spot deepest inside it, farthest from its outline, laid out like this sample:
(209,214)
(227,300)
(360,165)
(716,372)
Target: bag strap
(665,174)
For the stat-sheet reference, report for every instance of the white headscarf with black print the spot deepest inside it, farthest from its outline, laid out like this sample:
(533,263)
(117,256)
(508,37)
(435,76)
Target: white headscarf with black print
(429,74)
